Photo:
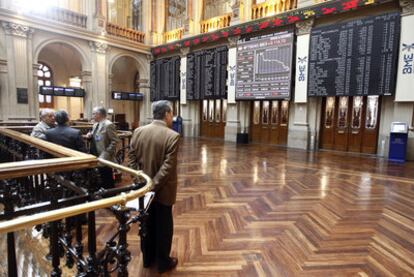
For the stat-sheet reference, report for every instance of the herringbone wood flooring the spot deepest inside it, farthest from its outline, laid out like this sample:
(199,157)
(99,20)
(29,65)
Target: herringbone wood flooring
(254,210)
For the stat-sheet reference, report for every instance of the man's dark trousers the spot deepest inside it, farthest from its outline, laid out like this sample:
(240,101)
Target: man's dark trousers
(156,246)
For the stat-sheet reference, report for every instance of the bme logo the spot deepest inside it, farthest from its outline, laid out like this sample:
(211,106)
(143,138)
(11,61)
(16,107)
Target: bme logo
(302,68)
(408,58)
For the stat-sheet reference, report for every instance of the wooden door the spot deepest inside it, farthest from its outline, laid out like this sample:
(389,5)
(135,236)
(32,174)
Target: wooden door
(350,123)
(355,134)
(255,126)
(213,118)
(342,124)
(371,124)
(269,122)
(328,122)
(284,123)
(274,122)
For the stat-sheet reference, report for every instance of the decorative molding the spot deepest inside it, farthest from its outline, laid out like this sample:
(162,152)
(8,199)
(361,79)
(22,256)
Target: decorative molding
(3,66)
(233,41)
(149,57)
(291,17)
(407,7)
(86,76)
(304,27)
(17,29)
(99,47)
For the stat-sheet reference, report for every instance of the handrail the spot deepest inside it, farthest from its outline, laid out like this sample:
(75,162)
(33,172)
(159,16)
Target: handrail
(49,216)
(31,220)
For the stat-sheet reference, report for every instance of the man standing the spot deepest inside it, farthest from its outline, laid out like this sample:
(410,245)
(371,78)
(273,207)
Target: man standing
(154,150)
(47,121)
(65,135)
(103,143)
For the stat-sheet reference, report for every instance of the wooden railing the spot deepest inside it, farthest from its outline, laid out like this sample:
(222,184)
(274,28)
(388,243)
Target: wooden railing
(126,33)
(173,35)
(53,188)
(64,16)
(215,23)
(272,7)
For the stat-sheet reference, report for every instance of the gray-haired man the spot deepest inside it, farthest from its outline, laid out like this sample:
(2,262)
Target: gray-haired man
(47,121)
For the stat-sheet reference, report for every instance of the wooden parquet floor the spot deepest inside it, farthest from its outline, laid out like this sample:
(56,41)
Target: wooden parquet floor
(256,210)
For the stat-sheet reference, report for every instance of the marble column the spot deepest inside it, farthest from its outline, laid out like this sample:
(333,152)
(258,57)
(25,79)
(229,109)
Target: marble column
(87,86)
(4,88)
(299,131)
(100,95)
(99,11)
(20,79)
(235,16)
(145,110)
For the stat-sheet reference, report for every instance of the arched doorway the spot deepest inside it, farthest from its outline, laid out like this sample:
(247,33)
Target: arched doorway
(60,65)
(125,78)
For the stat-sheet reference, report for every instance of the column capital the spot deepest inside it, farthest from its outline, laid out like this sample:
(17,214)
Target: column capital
(304,27)
(184,51)
(86,76)
(232,41)
(99,47)
(407,7)
(17,29)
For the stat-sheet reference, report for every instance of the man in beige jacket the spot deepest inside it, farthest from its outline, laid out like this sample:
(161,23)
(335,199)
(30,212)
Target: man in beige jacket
(154,150)
(104,140)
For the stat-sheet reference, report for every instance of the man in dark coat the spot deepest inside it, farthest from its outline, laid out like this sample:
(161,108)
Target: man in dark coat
(154,150)
(65,135)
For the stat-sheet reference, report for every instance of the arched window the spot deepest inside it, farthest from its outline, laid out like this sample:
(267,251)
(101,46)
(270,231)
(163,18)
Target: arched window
(44,78)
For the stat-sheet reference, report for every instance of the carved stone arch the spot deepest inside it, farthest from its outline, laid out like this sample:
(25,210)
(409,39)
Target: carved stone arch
(140,63)
(85,61)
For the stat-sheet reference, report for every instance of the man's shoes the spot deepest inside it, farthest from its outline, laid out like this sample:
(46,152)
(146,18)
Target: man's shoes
(173,263)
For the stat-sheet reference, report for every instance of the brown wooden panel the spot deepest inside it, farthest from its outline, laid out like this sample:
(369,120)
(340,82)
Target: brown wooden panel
(342,124)
(328,121)
(284,123)
(255,126)
(356,128)
(371,123)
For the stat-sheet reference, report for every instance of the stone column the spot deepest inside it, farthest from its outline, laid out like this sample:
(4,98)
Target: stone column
(100,95)
(20,60)
(145,110)
(233,110)
(35,85)
(99,15)
(405,74)
(4,88)
(403,104)
(197,16)
(235,17)
(186,106)
(147,20)
(246,10)
(87,86)
(299,131)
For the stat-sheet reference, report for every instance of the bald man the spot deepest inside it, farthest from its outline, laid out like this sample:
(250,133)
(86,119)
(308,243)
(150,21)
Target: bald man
(47,121)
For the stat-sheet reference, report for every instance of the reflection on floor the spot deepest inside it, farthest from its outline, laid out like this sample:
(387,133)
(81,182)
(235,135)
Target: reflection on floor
(254,210)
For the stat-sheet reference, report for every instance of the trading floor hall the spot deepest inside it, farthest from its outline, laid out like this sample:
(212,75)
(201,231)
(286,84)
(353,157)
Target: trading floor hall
(256,210)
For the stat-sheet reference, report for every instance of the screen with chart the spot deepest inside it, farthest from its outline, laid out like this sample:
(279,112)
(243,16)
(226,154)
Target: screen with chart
(264,66)
(355,58)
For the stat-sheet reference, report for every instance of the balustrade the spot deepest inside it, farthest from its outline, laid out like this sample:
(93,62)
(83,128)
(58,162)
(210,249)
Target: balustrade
(270,8)
(215,23)
(173,35)
(64,16)
(60,200)
(127,33)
